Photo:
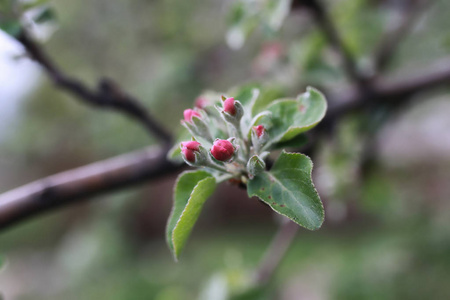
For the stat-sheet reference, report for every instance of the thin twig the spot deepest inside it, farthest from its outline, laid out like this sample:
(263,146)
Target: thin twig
(108,94)
(326,24)
(276,251)
(389,42)
(44,194)
(389,91)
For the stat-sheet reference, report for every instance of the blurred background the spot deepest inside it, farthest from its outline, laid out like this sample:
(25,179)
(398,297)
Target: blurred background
(386,234)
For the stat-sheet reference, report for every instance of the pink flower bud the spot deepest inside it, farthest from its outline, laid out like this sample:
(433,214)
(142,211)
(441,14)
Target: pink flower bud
(259,130)
(228,106)
(222,150)
(201,102)
(189,113)
(191,145)
(189,148)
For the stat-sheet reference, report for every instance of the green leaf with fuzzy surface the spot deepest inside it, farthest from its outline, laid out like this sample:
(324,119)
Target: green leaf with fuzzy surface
(288,189)
(191,191)
(246,94)
(268,95)
(292,117)
(297,142)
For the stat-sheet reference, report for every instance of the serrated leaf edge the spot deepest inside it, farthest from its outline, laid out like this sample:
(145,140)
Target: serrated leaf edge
(172,211)
(174,250)
(322,209)
(306,127)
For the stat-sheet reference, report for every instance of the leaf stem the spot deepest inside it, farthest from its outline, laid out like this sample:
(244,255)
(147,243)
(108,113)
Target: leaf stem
(235,131)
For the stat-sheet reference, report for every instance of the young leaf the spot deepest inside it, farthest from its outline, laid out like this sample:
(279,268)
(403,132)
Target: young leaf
(246,94)
(296,142)
(288,189)
(293,117)
(268,95)
(191,191)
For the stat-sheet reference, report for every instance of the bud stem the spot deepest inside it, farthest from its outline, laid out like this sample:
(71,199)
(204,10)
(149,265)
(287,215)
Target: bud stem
(212,165)
(224,177)
(244,146)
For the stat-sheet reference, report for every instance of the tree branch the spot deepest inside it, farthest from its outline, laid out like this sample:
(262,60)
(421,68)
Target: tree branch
(108,94)
(392,38)
(84,182)
(122,171)
(326,24)
(389,90)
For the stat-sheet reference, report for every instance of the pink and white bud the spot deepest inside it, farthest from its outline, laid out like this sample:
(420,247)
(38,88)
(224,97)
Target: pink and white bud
(189,148)
(222,150)
(259,130)
(229,106)
(260,137)
(189,113)
(201,102)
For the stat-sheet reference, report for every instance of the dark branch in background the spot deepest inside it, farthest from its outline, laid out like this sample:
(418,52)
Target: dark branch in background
(101,177)
(126,170)
(108,94)
(84,182)
(385,50)
(326,24)
(390,91)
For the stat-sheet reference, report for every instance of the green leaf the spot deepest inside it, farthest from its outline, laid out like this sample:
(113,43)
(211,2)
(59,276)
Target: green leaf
(293,117)
(261,118)
(288,189)
(46,15)
(11,27)
(258,102)
(268,95)
(191,191)
(296,142)
(246,94)
(12,13)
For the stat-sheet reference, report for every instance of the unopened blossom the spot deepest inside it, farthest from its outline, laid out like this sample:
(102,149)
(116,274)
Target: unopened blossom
(222,150)
(259,130)
(189,113)
(229,106)
(201,102)
(189,148)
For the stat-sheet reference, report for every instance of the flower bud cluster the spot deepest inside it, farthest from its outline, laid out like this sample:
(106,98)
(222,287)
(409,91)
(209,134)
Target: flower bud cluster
(238,156)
